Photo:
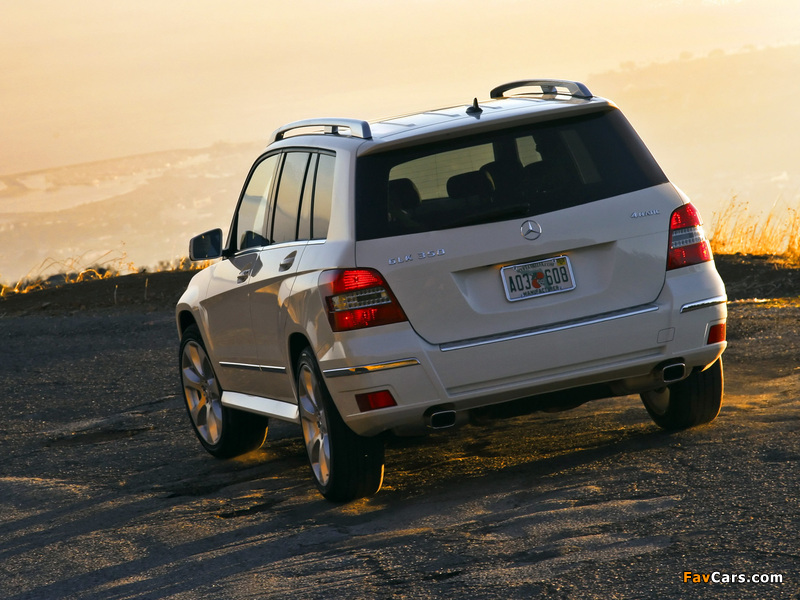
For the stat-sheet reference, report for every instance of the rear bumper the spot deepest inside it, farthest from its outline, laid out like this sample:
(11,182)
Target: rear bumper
(621,349)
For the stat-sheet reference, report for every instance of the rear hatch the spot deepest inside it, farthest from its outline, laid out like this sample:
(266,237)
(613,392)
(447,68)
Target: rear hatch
(485,280)
(516,229)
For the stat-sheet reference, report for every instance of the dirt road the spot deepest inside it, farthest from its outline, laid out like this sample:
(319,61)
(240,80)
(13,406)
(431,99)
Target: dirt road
(106,494)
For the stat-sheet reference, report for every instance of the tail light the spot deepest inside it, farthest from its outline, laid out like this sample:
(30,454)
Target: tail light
(688,244)
(359,298)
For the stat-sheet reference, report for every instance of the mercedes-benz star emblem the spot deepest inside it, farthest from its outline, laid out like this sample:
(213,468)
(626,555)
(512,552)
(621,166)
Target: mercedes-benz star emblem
(531,230)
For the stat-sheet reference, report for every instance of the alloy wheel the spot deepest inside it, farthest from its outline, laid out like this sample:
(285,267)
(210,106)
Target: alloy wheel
(201,392)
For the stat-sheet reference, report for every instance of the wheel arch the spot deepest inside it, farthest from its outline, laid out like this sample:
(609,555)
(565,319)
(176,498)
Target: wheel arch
(185,320)
(297,343)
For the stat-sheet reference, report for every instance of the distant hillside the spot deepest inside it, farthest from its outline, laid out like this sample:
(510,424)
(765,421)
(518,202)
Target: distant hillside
(139,210)
(720,125)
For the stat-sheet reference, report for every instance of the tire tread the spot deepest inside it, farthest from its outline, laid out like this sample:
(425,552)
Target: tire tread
(357,462)
(693,401)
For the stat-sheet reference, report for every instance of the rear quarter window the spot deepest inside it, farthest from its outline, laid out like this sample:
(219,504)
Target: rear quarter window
(513,173)
(287,202)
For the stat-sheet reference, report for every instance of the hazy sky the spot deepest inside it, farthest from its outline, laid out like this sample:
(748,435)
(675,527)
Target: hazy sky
(84,80)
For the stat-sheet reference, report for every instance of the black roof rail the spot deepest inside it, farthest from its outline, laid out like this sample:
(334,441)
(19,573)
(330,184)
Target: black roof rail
(549,86)
(358,128)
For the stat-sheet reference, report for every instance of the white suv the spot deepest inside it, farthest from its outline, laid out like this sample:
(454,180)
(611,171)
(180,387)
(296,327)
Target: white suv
(526,253)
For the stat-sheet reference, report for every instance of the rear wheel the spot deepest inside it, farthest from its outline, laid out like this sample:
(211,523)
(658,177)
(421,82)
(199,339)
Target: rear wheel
(693,401)
(224,432)
(345,465)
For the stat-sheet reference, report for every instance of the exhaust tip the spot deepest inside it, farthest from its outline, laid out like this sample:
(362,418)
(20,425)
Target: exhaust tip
(441,419)
(674,372)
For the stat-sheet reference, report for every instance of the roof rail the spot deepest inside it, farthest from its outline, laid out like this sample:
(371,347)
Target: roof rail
(549,86)
(357,127)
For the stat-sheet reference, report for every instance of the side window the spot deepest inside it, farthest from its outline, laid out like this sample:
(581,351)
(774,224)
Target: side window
(323,196)
(526,150)
(315,213)
(287,200)
(307,205)
(580,155)
(252,212)
(431,174)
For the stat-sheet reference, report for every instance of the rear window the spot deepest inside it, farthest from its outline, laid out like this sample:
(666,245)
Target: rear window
(514,173)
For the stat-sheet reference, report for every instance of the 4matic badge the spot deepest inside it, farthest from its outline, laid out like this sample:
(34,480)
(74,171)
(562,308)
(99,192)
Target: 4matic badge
(645,213)
(418,255)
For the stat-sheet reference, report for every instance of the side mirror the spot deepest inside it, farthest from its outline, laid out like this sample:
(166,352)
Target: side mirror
(206,246)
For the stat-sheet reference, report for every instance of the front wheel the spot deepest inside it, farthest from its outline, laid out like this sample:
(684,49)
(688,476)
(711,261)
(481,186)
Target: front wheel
(693,401)
(224,432)
(345,465)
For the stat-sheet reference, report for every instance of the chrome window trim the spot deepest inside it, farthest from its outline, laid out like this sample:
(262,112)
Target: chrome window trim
(563,326)
(289,244)
(703,303)
(360,370)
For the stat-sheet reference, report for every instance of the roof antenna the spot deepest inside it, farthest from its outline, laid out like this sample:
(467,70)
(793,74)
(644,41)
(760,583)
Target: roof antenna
(474,109)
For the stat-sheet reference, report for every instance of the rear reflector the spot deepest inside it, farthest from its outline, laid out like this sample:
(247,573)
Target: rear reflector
(358,298)
(688,244)
(716,334)
(375,400)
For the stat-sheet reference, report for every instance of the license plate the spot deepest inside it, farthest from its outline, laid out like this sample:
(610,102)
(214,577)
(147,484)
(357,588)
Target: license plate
(539,278)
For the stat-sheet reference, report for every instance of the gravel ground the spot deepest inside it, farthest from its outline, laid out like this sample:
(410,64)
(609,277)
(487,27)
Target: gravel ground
(106,494)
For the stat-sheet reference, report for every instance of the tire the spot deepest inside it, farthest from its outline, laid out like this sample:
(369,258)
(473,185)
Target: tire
(224,432)
(693,401)
(344,464)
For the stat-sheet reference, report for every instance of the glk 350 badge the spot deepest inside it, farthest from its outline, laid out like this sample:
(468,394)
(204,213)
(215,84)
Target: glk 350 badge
(417,255)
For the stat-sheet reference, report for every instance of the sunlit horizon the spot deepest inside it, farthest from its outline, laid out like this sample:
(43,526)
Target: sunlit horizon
(92,81)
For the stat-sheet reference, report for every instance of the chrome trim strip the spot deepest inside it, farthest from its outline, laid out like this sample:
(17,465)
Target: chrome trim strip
(563,326)
(360,370)
(262,406)
(244,366)
(247,367)
(291,244)
(703,303)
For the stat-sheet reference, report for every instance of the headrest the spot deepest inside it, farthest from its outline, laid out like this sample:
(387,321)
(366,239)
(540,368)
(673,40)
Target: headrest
(473,183)
(403,194)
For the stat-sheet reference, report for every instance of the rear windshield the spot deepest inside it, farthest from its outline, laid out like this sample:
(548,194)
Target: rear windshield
(513,173)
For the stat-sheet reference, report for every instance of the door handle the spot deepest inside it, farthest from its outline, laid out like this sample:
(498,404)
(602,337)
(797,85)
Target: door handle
(287,262)
(242,276)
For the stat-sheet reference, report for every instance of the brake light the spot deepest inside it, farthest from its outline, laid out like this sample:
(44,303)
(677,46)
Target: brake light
(359,298)
(688,244)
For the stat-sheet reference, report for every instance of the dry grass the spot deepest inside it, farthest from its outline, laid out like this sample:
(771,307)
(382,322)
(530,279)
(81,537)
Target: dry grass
(734,230)
(73,270)
(76,270)
(737,230)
